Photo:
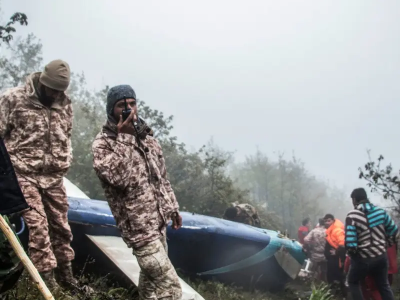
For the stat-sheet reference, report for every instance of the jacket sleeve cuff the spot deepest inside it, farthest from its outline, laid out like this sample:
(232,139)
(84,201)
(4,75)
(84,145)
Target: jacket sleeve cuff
(175,209)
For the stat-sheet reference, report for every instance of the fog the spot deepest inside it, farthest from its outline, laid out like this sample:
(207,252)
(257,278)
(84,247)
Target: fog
(317,78)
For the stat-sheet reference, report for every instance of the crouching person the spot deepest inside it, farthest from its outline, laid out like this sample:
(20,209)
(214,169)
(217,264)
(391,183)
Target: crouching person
(130,165)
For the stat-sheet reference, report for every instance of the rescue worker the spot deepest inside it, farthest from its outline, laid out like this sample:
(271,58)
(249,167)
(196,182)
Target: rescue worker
(304,230)
(369,230)
(335,252)
(368,286)
(36,124)
(131,167)
(314,244)
(242,213)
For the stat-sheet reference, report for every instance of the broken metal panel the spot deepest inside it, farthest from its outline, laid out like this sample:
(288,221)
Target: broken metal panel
(288,263)
(117,251)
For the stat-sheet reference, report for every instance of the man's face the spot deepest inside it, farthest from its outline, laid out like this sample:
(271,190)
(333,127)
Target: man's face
(52,93)
(328,222)
(120,106)
(49,95)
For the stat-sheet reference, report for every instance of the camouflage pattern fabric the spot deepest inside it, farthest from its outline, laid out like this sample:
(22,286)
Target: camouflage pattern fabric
(315,241)
(158,278)
(135,182)
(11,267)
(247,215)
(38,139)
(49,232)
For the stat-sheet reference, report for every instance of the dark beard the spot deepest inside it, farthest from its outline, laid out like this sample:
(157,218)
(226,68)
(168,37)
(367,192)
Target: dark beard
(43,98)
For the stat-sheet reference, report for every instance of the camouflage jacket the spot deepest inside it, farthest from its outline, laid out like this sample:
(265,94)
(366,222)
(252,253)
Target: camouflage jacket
(315,241)
(38,139)
(135,183)
(248,215)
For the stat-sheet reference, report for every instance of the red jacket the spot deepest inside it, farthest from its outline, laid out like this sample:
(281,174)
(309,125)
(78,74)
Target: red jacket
(392,257)
(303,231)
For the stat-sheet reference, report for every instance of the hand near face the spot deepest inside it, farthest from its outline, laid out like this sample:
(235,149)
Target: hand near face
(127,125)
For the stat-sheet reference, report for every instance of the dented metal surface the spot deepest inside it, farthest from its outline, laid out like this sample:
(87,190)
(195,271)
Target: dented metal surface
(231,252)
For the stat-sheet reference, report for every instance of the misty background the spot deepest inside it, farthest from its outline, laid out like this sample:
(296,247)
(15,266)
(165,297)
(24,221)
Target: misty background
(317,79)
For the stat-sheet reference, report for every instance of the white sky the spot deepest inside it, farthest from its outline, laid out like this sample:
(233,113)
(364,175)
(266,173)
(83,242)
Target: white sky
(319,78)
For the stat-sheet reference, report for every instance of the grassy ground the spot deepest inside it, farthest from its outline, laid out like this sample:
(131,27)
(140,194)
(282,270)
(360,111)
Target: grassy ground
(109,288)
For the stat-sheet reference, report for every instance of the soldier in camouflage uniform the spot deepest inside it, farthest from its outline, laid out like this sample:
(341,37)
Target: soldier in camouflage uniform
(36,124)
(314,245)
(131,167)
(242,213)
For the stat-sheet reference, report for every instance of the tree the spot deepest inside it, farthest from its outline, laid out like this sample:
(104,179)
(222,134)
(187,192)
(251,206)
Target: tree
(200,179)
(160,124)
(383,180)
(203,185)
(89,117)
(284,188)
(7,30)
(25,57)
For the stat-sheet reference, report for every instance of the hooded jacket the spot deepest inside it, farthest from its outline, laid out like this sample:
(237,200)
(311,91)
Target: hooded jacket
(134,178)
(38,138)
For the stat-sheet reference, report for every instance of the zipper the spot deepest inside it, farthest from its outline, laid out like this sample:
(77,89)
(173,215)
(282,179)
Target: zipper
(149,169)
(48,136)
(151,182)
(49,131)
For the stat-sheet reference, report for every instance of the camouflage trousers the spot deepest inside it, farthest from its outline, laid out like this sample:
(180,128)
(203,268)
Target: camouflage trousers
(49,232)
(158,278)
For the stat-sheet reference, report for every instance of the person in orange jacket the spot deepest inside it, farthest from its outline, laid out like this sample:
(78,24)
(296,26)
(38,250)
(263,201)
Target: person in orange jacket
(335,252)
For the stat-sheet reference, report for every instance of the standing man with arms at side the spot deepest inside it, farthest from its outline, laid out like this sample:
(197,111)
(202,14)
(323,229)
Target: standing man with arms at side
(130,165)
(36,124)
(335,252)
(369,230)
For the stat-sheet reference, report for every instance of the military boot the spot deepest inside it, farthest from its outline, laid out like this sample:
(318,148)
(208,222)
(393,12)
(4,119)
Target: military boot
(65,276)
(50,281)
(67,280)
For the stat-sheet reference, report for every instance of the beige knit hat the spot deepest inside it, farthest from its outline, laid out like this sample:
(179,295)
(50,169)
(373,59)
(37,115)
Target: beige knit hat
(56,75)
